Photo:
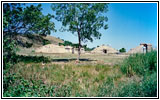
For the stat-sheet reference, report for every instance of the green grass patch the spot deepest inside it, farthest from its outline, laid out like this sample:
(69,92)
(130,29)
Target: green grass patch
(140,64)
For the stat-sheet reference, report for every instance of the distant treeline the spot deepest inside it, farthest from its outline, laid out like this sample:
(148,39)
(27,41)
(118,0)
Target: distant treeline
(75,45)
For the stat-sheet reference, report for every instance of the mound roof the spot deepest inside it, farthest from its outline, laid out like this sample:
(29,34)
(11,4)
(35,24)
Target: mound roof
(101,49)
(51,48)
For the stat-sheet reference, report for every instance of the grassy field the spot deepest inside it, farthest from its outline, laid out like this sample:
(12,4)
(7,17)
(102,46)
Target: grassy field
(65,58)
(82,78)
(95,76)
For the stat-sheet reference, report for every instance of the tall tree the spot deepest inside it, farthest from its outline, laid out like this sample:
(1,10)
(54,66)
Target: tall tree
(82,19)
(19,18)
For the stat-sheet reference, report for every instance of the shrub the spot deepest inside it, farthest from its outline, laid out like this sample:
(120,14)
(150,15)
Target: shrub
(106,89)
(45,42)
(36,59)
(60,44)
(9,53)
(143,65)
(33,51)
(64,91)
(14,85)
(130,89)
(140,64)
(30,36)
(28,45)
(19,87)
(149,85)
(146,88)
(122,50)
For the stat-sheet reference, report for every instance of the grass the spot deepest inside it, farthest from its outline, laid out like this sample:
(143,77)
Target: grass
(79,77)
(140,64)
(141,74)
(96,58)
(136,76)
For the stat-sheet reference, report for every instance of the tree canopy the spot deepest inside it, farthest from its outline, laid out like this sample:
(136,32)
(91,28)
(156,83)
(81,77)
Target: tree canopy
(18,18)
(82,19)
(86,18)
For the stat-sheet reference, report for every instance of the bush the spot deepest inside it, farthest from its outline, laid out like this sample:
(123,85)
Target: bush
(122,50)
(33,51)
(9,59)
(140,64)
(45,42)
(28,45)
(146,88)
(36,59)
(60,44)
(149,85)
(64,91)
(19,87)
(9,53)
(14,85)
(30,36)
(107,88)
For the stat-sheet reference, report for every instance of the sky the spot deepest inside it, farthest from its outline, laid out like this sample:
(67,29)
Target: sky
(129,25)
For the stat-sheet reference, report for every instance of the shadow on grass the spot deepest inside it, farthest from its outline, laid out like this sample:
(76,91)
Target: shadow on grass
(68,60)
(36,59)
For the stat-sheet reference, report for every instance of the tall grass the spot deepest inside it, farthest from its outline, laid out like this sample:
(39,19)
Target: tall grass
(143,66)
(135,77)
(140,64)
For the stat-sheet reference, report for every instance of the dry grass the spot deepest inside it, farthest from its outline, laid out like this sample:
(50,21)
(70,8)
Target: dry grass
(84,77)
(80,77)
(109,59)
(53,40)
(99,75)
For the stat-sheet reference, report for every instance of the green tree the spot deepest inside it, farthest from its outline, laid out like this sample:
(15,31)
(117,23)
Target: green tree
(36,22)
(82,19)
(19,18)
(10,13)
(122,50)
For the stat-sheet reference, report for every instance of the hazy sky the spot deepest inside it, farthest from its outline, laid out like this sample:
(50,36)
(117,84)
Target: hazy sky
(129,25)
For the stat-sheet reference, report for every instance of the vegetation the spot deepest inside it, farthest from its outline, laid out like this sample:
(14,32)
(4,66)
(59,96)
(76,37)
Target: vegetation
(39,76)
(85,19)
(18,19)
(74,45)
(32,78)
(67,43)
(21,19)
(122,50)
(142,67)
(28,45)
(45,42)
(89,49)
(19,87)
(140,64)
(146,88)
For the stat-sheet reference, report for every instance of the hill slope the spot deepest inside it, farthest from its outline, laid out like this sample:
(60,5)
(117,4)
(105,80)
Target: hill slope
(34,40)
(27,43)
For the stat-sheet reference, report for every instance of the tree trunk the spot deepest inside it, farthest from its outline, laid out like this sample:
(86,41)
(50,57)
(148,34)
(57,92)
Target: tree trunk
(79,47)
